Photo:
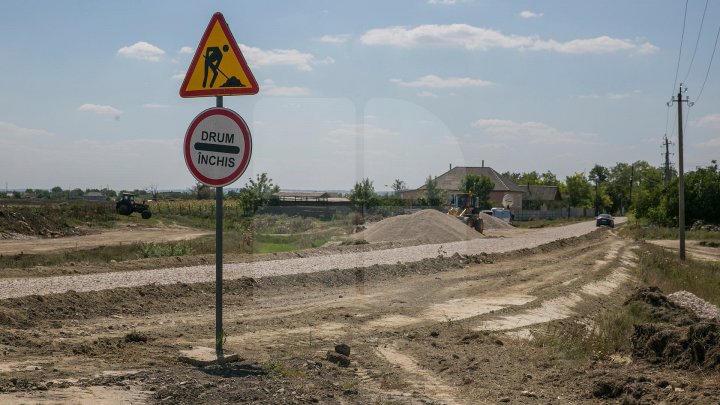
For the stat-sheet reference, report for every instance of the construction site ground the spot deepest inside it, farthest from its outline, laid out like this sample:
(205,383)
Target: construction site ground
(445,324)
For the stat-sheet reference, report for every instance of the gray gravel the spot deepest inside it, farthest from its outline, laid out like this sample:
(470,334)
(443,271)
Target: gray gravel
(699,306)
(12,288)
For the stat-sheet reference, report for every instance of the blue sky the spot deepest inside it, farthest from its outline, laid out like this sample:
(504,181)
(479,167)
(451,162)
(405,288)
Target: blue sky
(379,89)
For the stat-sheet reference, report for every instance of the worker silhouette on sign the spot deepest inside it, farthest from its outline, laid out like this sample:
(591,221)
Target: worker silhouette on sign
(213,57)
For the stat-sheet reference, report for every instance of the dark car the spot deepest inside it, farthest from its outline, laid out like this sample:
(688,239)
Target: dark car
(605,219)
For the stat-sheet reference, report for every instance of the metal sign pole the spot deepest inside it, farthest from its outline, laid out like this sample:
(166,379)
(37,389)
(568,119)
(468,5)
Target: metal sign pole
(218,261)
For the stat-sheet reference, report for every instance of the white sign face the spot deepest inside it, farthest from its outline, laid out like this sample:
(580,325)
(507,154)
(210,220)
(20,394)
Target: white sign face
(217,147)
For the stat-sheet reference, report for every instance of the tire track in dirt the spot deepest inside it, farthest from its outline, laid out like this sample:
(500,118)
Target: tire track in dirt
(420,379)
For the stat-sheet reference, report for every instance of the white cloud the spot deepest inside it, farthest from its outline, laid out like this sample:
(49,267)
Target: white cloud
(185,50)
(269,88)
(530,14)
(531,132)
(428,94)
(155,106)
(475,38)
(286,57)
(445,2)
(708,121)
(178,76)
(436,82)
(9,129)
(142,50)
(100,109)
(334,39)
(609,96)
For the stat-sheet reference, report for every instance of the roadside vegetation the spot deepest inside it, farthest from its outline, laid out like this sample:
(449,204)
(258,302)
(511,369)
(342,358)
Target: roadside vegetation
(610,332)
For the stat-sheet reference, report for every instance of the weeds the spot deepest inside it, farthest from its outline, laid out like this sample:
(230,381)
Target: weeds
(661,268)
(277,366)
(152,249)
(641,231)
(609,333)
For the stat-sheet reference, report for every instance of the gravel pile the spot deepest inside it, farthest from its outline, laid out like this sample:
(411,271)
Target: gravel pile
(490,222)
(10,288)
(426,226)
(699,306)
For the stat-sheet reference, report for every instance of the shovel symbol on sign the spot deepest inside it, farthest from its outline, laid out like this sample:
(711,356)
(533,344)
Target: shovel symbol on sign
(213,56)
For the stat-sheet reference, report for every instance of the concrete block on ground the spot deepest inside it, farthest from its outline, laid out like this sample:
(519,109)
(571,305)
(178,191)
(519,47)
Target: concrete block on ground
(204,356)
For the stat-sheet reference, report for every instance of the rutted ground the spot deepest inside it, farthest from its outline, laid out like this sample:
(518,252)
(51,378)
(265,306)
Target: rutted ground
(449,329)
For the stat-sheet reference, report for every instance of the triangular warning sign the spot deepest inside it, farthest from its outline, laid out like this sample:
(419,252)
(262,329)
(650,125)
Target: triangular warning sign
(218,67)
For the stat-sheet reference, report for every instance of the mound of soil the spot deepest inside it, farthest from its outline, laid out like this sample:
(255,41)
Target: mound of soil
(679,339)
(661,308)
(21,221)
(490,222)
(693,347)
(426,226)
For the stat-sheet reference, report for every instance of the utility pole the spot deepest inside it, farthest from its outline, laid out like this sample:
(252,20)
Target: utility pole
(668,173)
(681,174)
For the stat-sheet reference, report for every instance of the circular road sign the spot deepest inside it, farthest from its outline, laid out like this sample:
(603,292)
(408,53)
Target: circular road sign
(217,147)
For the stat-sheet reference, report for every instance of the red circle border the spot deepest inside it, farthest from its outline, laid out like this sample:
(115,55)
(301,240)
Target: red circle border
(244,162)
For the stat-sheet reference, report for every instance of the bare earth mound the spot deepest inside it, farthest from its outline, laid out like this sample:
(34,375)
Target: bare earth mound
(426,226)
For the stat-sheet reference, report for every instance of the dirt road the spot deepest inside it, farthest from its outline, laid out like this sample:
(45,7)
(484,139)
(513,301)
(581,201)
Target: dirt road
(12,288)
(451,329)
(693,249)
(129,234)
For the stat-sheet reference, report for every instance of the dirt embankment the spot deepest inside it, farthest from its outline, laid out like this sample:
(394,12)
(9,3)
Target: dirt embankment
(20,222)
(450,329)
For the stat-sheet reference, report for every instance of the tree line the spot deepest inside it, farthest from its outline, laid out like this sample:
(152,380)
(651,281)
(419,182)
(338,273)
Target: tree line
(639,188)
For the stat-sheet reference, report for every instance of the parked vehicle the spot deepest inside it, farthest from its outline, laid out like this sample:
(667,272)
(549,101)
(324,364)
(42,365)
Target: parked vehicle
(126,205)
(605,219)
(466,207)
(502,214)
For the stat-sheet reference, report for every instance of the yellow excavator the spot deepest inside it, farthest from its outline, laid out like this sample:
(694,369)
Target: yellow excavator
(466,207)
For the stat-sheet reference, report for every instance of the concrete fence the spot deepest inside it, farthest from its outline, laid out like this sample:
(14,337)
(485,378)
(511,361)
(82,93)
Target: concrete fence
(572,212)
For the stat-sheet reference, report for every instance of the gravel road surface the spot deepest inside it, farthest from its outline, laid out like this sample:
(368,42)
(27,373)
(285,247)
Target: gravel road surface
(13,288)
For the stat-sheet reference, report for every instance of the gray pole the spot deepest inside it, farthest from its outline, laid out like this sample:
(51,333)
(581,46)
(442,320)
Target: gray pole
(218,262)
(681,178)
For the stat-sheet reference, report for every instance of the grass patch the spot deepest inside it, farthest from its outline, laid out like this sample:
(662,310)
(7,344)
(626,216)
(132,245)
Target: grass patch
(662,268)
(643,231)
(609,333)
(277,366)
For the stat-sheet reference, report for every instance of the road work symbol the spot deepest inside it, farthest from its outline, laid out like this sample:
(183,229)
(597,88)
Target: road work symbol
(213,57)
(218,55)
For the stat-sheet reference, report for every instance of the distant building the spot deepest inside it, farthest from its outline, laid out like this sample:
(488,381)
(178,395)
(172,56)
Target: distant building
(94,196)
(542,198)
(449,182)
(317,204)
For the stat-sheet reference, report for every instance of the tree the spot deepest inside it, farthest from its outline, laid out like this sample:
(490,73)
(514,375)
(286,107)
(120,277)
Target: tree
(578,190)
(480,186)
(363,195)
(257,193)
(398,185)
(702,194)
(598,175)
(432,194)
(201,191)
(153,191)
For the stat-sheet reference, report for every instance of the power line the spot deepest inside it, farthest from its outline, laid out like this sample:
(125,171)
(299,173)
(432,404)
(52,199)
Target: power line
(697,41)
(682,39)
(709,65)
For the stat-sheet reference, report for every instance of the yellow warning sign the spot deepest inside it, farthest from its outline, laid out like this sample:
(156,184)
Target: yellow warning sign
(218,67)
